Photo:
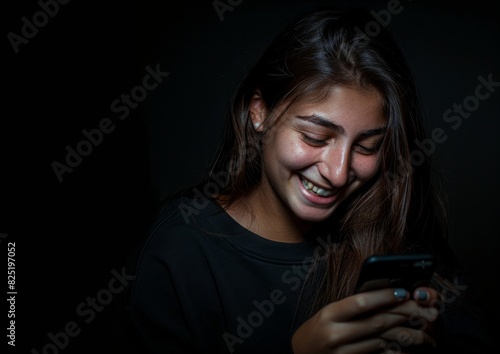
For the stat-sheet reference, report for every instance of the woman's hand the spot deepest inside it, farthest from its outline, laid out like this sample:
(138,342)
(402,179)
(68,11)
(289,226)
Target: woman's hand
(370,322)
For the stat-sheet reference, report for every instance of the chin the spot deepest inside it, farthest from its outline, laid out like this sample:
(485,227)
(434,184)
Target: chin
(315,215)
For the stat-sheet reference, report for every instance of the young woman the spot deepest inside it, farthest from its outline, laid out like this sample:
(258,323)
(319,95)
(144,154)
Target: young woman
(315,174)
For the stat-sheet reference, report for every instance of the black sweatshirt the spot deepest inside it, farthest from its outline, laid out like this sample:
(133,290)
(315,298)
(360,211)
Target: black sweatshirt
(205,284)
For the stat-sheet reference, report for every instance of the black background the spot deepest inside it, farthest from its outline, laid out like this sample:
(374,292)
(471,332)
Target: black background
(70,235)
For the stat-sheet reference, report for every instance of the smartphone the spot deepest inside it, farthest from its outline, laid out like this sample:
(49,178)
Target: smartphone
(396,271)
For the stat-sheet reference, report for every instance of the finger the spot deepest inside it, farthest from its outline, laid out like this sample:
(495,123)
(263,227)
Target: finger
(343,333)
(362,303)
(407,337)
(412,310)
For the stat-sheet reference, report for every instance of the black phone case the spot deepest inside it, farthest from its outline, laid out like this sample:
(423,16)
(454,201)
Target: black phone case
(396,271)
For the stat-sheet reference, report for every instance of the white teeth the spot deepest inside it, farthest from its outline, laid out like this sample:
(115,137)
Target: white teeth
(315,189)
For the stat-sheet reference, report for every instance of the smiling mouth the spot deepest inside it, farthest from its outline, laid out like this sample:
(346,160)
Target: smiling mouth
(315,189)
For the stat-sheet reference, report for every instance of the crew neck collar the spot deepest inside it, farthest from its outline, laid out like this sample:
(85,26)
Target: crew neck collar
(256,246)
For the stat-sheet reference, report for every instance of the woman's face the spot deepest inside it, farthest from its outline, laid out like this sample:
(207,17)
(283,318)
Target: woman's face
(322,152)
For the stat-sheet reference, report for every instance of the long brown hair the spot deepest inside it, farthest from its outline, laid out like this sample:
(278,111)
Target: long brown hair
(400,207)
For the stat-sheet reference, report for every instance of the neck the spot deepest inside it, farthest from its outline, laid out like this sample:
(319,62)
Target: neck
(268,218)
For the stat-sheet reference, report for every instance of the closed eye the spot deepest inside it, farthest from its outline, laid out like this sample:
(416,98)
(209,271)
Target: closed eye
(314,142)
(366,150)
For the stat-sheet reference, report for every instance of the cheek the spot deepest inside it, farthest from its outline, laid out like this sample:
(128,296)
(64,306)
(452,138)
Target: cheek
(289,152)
(366,167)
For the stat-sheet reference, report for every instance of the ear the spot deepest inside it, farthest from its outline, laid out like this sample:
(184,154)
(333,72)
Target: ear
(258,111)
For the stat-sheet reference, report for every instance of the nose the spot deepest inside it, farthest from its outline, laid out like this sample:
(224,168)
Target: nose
(335,165)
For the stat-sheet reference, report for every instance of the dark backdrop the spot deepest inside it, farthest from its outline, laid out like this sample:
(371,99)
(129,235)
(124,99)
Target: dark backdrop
(73,236)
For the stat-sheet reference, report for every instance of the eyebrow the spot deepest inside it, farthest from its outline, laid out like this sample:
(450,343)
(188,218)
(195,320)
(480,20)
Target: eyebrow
(372,132)
(322,121)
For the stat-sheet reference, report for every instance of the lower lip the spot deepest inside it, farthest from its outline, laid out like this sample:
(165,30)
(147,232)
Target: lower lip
(314,198)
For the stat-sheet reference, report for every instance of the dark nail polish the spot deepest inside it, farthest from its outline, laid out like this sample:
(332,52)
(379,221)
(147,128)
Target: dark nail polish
(400,294)
(421,295)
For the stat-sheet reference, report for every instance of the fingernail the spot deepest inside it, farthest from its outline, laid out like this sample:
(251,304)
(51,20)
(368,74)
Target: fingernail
(400,294)
(421,295)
